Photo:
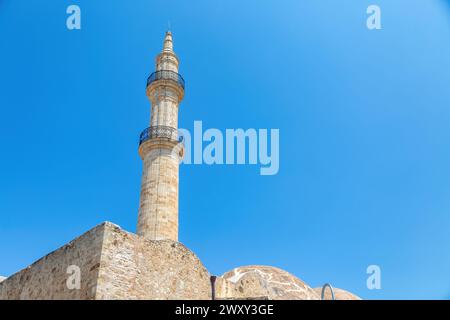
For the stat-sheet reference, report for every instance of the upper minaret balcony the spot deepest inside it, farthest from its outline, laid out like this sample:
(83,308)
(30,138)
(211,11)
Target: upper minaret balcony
(166,75)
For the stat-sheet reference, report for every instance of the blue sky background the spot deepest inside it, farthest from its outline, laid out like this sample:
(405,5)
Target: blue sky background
(364,133)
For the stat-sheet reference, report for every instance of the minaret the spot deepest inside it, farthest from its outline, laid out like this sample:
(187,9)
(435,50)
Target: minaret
(160,150)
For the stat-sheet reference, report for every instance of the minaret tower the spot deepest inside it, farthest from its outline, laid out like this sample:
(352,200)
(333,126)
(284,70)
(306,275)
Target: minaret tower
(160,150)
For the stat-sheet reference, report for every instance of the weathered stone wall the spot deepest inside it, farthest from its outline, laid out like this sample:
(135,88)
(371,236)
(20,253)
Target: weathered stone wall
(46,278)
(133,267)
(114,264)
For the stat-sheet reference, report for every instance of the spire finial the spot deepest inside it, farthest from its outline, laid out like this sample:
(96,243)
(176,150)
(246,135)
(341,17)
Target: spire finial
(168,43)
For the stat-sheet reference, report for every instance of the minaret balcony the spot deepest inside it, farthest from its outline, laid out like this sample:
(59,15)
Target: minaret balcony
(165,132)
(167,75)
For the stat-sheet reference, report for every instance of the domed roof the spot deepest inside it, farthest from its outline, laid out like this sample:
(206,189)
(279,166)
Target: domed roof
(339,294)
(266,282)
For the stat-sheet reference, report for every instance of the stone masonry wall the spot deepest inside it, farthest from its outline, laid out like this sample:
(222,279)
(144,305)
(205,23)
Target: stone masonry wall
(133,267)
(114,264)
(46,278)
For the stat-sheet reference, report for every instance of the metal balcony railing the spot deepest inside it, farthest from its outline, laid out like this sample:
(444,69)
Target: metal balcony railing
(166,75)
(159,132)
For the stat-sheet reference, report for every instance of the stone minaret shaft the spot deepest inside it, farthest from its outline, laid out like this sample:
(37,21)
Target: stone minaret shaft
(160,150)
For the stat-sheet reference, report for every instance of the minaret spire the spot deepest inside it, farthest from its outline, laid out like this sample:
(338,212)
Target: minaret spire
(158,208)
(168,42)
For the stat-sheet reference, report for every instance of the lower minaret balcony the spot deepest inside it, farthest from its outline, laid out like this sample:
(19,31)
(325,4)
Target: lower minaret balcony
(165,132)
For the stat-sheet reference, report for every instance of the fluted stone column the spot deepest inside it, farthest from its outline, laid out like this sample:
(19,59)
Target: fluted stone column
(160,150)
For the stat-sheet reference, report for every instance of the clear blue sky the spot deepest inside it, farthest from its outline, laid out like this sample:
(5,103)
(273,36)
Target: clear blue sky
(363,116)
